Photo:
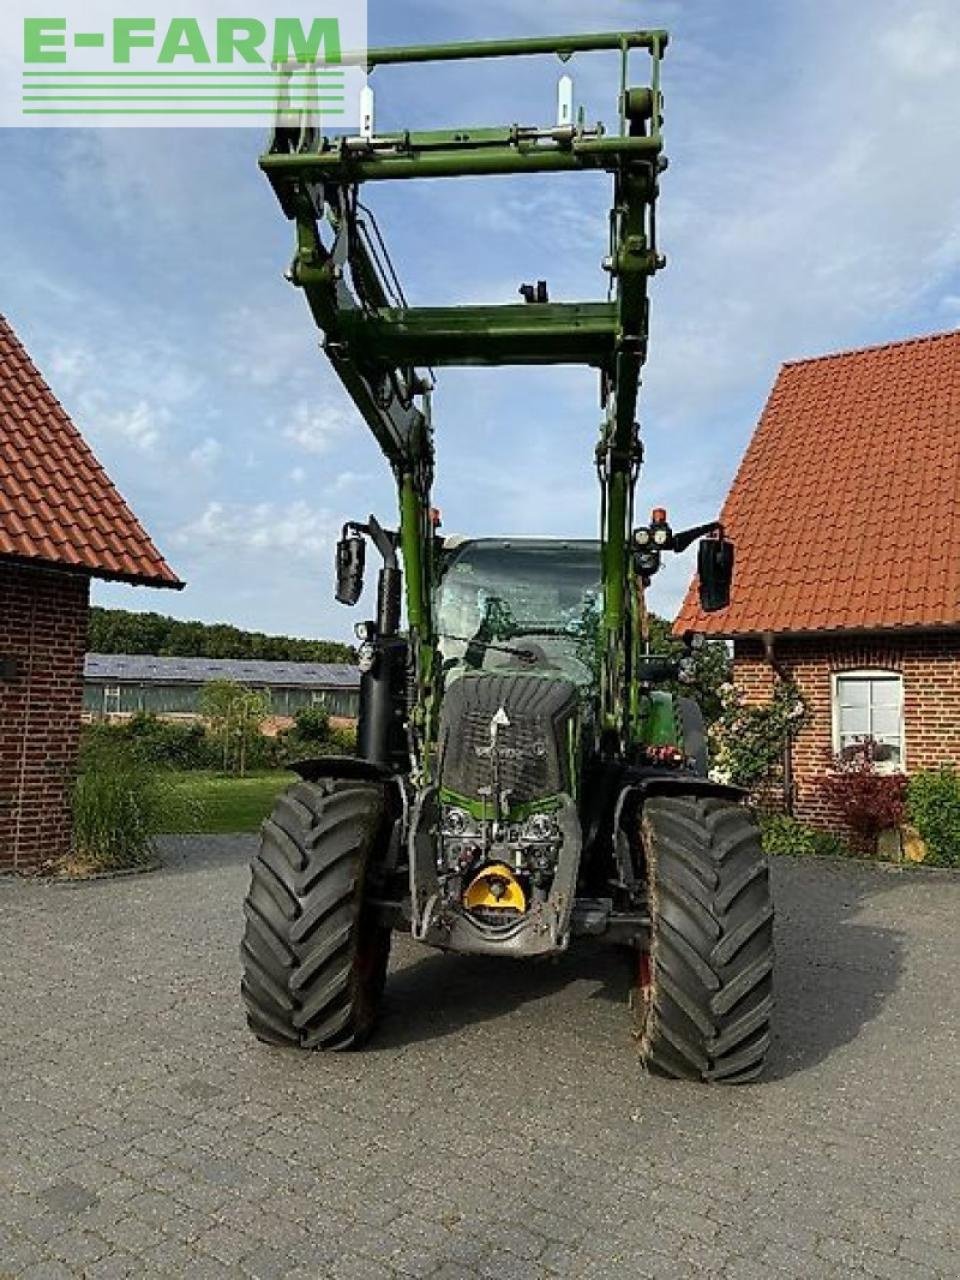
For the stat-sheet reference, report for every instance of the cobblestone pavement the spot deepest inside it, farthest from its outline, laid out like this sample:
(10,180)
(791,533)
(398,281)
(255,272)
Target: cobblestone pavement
(497,1127)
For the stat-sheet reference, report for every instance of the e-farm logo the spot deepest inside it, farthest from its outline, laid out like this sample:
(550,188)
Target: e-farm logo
(102,63)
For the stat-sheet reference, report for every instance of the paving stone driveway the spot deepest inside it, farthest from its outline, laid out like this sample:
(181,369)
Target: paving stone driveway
(498,1126)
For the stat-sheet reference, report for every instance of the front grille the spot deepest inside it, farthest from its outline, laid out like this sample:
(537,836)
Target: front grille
(531,748)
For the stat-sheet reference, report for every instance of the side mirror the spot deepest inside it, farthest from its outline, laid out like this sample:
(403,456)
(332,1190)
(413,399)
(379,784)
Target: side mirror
(351,556)
(715,569)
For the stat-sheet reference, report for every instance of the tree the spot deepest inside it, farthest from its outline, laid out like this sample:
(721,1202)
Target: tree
(216,707)
(252,707)
(121,631)
(711,667)
(235,714)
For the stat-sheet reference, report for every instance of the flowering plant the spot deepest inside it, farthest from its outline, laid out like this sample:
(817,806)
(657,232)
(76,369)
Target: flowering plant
(747,742)
(867,799)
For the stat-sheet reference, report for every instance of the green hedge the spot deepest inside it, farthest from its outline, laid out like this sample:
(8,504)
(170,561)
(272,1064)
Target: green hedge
(166,744)
(146,740)
(152,742)
(933,807)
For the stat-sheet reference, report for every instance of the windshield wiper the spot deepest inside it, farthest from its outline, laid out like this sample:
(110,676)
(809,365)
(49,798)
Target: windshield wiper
(526,656)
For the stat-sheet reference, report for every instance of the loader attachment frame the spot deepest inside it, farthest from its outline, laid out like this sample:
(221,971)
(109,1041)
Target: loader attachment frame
(384,350)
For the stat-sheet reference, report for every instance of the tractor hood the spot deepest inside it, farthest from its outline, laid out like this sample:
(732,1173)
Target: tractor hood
(507,737)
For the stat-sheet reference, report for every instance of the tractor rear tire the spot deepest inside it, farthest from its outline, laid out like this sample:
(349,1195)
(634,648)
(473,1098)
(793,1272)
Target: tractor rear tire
(314,957)
(703,1003)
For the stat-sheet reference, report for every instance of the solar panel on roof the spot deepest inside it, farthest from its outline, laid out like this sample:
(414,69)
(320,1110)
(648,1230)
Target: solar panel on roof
(146,669)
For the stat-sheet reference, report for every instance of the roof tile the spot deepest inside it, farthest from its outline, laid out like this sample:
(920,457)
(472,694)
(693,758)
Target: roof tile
(53,492)
(846,508)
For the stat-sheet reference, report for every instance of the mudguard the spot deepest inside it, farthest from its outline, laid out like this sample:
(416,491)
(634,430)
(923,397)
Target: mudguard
(659,783)
(352,767)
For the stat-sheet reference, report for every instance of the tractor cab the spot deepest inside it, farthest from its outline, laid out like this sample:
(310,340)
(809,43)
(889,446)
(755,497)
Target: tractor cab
(527,606)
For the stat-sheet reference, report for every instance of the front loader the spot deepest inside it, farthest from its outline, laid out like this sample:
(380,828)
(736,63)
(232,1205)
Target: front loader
(524,776)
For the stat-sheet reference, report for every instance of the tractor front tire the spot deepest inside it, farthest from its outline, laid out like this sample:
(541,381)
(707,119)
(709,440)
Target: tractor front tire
(314,957)
(704,997)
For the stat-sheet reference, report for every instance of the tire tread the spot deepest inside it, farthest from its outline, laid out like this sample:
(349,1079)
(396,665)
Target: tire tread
(707,1015)
(313,960)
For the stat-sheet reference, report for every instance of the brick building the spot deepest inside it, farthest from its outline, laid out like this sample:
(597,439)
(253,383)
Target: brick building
(62,522)
(846,518)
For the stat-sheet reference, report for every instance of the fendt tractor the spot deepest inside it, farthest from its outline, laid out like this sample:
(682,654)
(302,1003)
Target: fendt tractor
(525,775)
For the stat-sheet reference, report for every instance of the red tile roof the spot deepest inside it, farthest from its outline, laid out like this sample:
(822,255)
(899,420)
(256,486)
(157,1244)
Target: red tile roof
(57,504)
(846,508)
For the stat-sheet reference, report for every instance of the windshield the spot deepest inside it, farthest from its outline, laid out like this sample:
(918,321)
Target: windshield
(521,606)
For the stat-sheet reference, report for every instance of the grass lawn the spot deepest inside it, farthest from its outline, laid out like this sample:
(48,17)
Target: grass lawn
(212,803)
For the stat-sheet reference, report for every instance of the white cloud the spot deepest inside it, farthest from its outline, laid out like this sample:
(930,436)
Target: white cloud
(294,529)
(273,342)
(140,427)
(316,428)
(924,46)
(349,479)
(813,202)
(833,226)
(206,453)
(69,364)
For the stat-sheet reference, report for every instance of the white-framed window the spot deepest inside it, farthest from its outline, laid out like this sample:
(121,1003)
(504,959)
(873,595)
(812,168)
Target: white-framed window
(869,704)
(111,699)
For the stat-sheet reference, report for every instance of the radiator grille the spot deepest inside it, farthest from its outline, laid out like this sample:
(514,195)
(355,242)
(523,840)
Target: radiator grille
(531,748)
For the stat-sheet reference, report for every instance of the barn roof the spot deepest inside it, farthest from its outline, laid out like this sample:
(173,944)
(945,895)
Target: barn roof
(846,508)
(58,507)
(122,668)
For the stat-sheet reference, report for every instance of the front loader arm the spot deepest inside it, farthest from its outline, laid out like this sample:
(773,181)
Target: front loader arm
(380,346)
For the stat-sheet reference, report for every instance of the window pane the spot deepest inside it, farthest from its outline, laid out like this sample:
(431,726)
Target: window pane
(854,721)
(886,693)
(853,693)
(886,722)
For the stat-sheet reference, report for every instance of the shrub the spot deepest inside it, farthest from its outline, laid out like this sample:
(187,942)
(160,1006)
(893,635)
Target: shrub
(339,740)
(867,800)
(747,743)
(168,744)
(343,740)
(262,752)
(117,809)
(101,738)
(788,836)
(312,724)
(153,742)
(933,807)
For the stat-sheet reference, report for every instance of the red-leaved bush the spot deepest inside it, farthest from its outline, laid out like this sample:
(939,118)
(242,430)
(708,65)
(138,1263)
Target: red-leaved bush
(868,800)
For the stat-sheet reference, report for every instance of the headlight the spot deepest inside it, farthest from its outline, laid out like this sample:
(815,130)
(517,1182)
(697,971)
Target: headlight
(456,822)
(366,657)
(661,537)
(540,826)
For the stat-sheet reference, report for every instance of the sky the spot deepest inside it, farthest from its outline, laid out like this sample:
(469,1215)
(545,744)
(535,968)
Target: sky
(812,203)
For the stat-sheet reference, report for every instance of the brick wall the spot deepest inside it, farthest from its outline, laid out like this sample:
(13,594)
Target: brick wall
(929,664)
(43,629)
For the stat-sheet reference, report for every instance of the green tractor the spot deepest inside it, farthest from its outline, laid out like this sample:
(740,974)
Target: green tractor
(524,775)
